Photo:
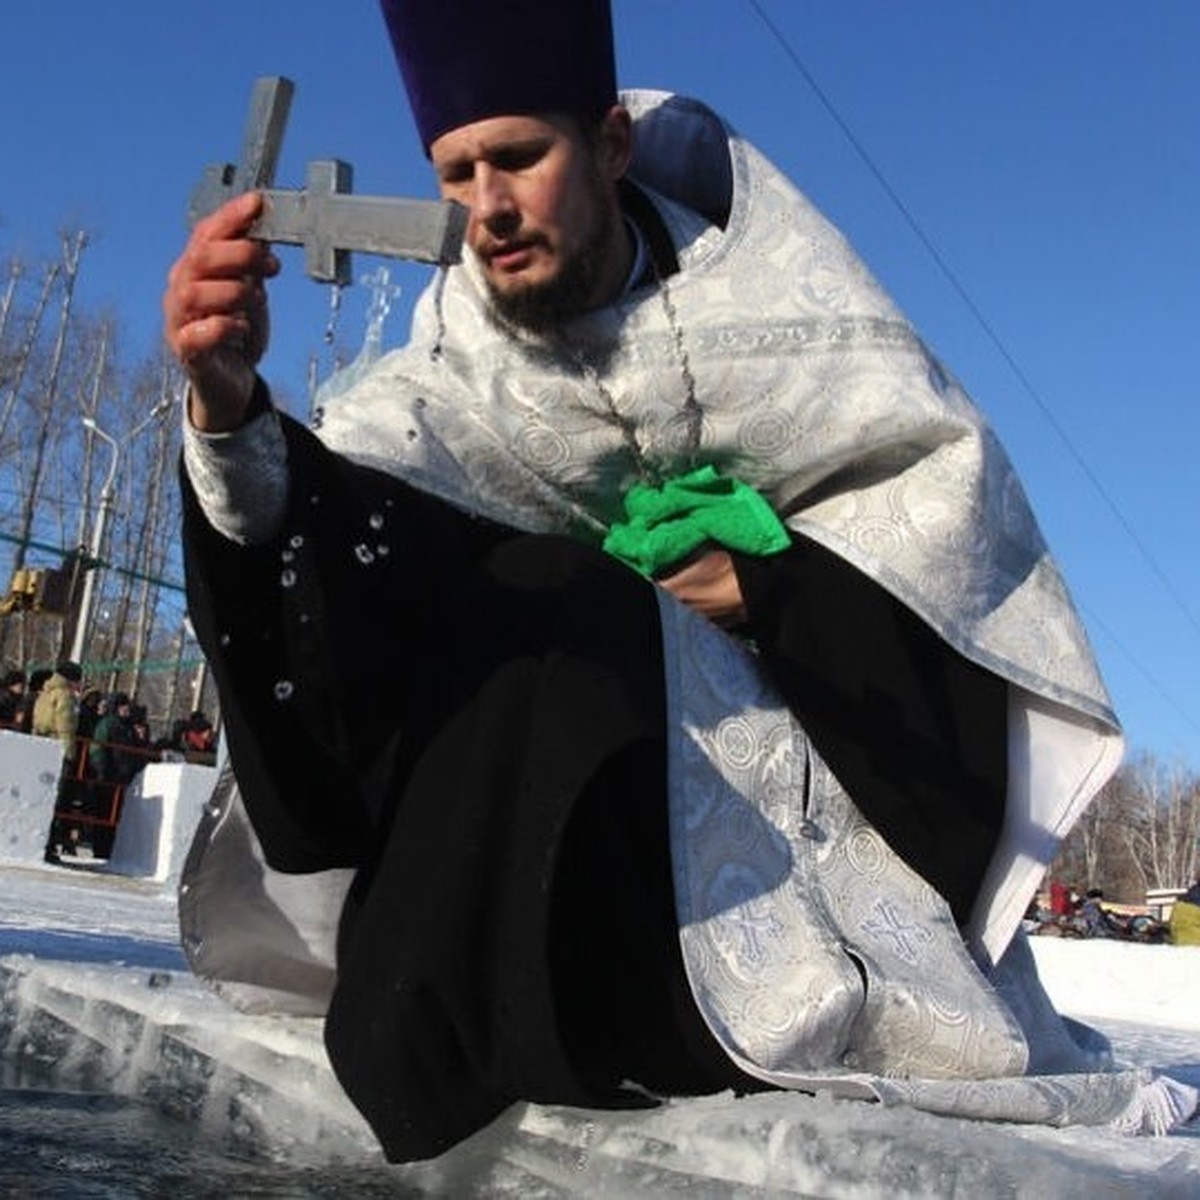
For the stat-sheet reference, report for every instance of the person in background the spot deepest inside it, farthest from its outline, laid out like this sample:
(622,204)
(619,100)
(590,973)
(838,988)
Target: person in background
(143,741)
(56,710)
(1060,900)
(115,757)
(1185,918)
(170,745)
(91,707)
(1096,919)
(199,739)
(12,698)
(56,715)
(37,681)
(112,758)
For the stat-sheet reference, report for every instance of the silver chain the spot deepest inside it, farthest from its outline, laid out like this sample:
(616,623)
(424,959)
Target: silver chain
(692,412)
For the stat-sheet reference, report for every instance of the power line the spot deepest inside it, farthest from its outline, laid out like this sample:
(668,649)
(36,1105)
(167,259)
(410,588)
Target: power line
(1095,620)
(961,291)
(148,666)
(128,572)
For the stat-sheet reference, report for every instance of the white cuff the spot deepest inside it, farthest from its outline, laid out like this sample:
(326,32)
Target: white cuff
(240,478)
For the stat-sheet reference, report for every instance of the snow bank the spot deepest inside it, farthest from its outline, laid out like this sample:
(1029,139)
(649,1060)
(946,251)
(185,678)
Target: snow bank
(158,817)
(160,812)
(29,770)
(1106,979)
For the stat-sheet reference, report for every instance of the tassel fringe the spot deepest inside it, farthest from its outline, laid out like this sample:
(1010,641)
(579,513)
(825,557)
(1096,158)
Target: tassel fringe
(1160,1105)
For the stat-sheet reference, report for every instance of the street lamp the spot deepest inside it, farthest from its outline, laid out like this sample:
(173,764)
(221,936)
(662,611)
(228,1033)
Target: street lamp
(107,503)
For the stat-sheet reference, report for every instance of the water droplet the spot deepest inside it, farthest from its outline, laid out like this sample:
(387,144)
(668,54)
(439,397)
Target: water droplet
(304,618)
(375,520)
(284,689)
(287,556)
(314,499)
(213,810)
(383,550)
(364,554)
(224,639)
(288,578)
(297,539)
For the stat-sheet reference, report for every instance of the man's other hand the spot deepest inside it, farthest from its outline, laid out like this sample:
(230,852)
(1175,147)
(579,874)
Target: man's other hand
(709,585)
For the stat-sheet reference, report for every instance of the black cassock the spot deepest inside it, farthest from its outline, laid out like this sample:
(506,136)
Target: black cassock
(473,718)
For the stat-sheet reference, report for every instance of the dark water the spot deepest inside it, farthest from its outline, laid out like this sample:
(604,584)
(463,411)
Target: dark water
(61,1146)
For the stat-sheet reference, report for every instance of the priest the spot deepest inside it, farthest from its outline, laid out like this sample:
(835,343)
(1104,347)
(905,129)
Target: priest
(651,680)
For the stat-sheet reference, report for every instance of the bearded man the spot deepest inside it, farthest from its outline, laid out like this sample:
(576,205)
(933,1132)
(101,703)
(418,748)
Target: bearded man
(755,800)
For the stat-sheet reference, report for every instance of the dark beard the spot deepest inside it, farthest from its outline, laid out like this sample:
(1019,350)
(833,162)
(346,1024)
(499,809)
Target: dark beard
(540,308)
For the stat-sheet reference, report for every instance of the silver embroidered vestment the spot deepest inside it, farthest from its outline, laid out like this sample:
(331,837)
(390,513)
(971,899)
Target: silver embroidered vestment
(816,956)
(814,389)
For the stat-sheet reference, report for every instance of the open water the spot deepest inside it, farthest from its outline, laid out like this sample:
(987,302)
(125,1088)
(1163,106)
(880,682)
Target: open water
(61,1146)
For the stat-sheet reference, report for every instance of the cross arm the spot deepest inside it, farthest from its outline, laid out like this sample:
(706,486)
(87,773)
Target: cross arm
(325,217)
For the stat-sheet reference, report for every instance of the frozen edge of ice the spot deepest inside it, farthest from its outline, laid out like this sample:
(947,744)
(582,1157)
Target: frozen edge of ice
(264,1086)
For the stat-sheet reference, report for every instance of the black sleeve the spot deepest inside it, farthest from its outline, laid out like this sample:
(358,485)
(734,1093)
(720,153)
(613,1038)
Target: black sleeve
(312,685)
(915,732)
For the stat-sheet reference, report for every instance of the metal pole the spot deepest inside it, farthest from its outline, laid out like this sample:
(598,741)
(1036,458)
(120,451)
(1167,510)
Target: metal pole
(107,502)
(107,496)
(198,685)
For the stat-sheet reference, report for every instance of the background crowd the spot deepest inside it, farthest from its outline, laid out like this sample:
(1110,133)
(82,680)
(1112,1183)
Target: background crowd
(106,741)
(1066,911)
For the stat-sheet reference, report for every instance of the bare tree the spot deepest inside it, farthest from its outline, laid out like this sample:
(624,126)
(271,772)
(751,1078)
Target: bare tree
(152,514)
(72,252)
(1141,832)
(33,422)
(1162,840)
(16,268)
(66,398)
(21,358)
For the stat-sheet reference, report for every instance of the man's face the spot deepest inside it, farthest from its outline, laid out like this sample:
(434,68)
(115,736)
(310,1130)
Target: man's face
(544,220)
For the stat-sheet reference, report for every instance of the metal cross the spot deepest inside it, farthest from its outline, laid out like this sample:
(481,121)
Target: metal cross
(325,217)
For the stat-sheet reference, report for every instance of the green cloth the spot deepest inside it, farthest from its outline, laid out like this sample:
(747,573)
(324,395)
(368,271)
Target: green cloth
(665,524)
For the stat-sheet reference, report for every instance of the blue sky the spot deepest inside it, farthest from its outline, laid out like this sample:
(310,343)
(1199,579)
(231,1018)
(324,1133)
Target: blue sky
(1047,151)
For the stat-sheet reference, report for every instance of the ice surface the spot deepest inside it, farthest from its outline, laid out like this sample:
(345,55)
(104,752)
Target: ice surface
(100,1016)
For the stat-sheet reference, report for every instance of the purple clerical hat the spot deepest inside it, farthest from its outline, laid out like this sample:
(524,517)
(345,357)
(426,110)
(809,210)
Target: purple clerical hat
(464,60)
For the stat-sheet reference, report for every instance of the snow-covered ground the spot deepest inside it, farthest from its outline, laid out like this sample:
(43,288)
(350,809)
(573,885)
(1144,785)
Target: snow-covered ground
(103,1031)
